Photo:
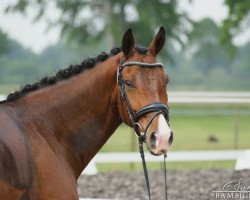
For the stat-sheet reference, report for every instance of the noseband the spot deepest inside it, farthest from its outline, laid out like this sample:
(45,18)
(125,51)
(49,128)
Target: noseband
(156,107)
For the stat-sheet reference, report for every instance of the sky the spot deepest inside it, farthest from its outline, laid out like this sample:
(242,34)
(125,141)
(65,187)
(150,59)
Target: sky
(35,37)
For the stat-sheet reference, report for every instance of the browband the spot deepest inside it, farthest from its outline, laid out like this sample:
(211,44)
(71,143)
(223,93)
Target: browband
(139,64)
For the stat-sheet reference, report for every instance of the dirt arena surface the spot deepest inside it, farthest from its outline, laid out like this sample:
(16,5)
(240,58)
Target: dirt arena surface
(182,185)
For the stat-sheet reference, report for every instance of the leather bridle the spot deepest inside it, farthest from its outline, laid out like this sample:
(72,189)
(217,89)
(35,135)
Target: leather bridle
(156,108)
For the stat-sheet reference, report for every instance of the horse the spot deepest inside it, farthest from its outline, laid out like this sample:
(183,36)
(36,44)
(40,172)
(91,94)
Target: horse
(50,130)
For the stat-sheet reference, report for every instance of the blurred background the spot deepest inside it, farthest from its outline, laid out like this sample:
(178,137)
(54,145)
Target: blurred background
(206,57)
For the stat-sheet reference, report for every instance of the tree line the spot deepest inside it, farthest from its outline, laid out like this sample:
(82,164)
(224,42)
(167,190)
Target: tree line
(197,55)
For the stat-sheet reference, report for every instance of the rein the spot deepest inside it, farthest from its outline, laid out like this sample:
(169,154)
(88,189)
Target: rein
(157,107)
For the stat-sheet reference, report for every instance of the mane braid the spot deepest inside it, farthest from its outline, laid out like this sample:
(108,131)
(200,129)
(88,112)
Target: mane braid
(67,73)
(62,74)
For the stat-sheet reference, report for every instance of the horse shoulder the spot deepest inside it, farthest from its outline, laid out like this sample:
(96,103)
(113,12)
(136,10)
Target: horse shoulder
(15,156)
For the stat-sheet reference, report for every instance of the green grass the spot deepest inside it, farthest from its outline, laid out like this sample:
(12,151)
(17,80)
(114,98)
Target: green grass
(229,164)
(191,132)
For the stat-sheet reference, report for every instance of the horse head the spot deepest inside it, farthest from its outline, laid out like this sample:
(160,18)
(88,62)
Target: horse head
(143,96)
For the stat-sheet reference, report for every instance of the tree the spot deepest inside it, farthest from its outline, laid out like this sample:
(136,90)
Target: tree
(92,20)
(238,20)
(204,46)
(4,43)
(241,62)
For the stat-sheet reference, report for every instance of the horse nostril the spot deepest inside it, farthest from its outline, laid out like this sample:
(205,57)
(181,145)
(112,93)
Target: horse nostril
(171,138)
(153,140)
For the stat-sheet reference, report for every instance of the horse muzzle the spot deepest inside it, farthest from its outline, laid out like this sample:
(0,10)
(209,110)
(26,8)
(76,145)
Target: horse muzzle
(159,139)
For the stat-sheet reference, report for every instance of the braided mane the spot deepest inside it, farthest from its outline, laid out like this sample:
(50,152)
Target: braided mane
(66,73)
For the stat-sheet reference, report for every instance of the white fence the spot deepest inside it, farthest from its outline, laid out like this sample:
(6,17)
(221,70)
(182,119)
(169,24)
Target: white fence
(242,158)
(204,97)
(209,97)
(173,156)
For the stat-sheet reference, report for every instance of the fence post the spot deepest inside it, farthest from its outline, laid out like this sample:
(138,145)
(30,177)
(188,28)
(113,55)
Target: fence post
(236,132)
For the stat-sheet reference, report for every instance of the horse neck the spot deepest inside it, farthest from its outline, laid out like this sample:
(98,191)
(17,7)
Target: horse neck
(80,113)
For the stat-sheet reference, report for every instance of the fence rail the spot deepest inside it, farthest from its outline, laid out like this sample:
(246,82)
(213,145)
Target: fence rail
(209,97)
(174,156)
(242,158)
(203,97)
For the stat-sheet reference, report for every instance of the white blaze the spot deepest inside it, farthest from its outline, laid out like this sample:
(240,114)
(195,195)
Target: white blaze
(163,133)
(163,127)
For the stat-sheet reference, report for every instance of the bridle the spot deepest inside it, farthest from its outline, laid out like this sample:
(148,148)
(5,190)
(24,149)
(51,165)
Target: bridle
(156,107)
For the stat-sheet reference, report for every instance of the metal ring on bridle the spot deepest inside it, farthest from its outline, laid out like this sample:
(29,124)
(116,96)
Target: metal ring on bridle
(140,131)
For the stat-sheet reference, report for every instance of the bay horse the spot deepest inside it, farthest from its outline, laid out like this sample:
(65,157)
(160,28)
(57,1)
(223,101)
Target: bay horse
(50,130)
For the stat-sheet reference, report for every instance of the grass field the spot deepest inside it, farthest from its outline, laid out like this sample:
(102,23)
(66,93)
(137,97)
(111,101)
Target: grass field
(192,132)
(192,127)
(170,166)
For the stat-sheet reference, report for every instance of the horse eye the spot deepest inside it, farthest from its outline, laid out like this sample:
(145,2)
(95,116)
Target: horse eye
(168,82)
(129,83)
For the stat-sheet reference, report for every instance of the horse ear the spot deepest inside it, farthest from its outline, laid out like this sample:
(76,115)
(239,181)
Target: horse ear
(128,42)
(158,42)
